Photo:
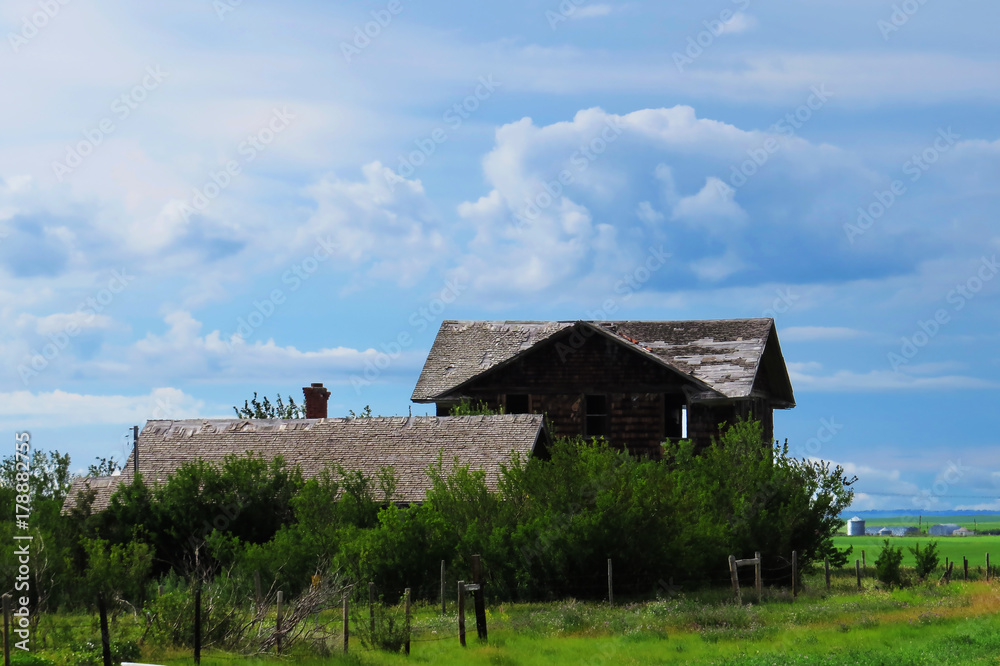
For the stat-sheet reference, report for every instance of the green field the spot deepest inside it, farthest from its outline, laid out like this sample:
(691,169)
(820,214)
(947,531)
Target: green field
(925,624)
(954,548)
(983,522)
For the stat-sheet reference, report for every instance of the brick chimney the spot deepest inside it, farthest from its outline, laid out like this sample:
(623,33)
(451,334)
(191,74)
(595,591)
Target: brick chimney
(316,397)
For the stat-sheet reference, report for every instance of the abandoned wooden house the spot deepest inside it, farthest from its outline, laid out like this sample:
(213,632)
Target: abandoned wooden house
(410,445)
(636,383)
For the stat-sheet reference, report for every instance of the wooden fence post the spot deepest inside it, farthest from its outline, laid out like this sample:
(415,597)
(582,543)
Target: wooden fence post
(735,578)
(826,568)
(965,568)
(277,623)
(795,574)
(371,611)
(611,589)
(197,624)
(758,576)
(461,612)
(479,596)
(407,606)
(6,630)
(442,588)
(857,571)
(105,634)
(347,627)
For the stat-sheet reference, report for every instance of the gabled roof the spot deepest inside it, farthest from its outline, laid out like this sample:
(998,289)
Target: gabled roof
(723,356)
(103,486)
(407,444)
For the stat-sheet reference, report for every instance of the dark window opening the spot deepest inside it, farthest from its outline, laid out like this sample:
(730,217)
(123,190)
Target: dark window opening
(673,419)
(517,403)
(597,416)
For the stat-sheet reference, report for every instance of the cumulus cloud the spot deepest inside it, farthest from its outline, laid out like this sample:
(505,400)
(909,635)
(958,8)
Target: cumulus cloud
(383,226)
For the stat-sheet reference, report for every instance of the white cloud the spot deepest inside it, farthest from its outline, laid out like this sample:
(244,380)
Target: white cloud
(383,226)
(812,333)
(711,202)
(182,352)
(882,380)
(740,22)
(592,11)
(24,409)
(886,487)
(65,321)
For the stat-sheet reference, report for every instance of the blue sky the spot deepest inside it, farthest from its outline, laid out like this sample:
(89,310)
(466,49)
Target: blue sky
(205,199)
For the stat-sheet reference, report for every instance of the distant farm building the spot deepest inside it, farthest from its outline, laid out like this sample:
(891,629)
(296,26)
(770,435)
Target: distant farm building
(856,526)
(892,530)
(962,531)
(946,529)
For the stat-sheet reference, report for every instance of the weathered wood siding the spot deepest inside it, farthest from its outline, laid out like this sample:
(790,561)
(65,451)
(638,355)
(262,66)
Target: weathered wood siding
(560,374)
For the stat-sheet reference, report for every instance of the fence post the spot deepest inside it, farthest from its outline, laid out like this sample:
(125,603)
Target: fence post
(347,627)
(826,568)
(864,565)
(611,589)
(407,645)
(987,567)
(735,578)
(256,585)
(857,571)
(105,634)
(479,596)
(442,588)
(965,568)
(277,623)
(6,630)
(461,612)
(371,609)
(759,577)
(795,574)
(197,624)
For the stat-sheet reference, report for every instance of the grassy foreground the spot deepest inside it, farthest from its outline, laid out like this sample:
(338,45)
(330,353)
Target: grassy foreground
(927,624)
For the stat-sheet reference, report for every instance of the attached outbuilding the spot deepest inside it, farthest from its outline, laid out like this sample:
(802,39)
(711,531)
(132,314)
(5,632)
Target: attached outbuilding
(409,445)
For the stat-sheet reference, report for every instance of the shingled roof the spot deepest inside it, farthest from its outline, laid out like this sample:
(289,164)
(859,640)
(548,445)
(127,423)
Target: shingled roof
(407,444)
(723,356)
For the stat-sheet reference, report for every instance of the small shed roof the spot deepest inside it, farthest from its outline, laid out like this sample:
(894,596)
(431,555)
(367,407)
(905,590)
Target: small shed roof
(724,355)
(407,444)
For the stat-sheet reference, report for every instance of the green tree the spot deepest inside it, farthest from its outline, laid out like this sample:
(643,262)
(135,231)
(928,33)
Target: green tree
(927,559)
(888,564)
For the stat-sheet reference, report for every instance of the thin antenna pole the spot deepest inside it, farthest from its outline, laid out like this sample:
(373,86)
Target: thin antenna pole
(135,451)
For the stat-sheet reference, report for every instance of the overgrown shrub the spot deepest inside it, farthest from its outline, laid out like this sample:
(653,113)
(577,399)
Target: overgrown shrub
(888,564)
(387,632)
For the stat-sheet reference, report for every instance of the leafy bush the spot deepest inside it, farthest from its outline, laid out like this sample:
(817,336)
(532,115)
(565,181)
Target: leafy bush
(927,559)
(390,630)
(888,564)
